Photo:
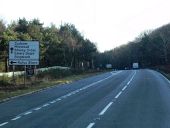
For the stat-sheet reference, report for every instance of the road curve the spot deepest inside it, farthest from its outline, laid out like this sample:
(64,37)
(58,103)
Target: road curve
(121,99)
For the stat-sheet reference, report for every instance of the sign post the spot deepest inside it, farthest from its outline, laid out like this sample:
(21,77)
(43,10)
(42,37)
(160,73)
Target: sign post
(24,53)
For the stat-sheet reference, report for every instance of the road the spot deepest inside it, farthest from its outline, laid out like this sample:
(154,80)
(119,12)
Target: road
(118,99)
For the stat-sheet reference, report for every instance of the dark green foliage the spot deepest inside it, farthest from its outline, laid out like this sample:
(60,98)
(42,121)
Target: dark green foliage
(149,49)
(64,46)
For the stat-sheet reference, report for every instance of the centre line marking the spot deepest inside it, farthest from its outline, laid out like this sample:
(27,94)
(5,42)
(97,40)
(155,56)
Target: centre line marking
(124,88)
(27,113)
(67,95)
(3,124)
(37,108)
(16,118)
(90,125)
(105,109)
(52,102)
(45,105)
(118,94)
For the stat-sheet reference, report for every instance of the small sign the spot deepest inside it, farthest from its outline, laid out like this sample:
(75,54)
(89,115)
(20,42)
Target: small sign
(29,71)
(23,53)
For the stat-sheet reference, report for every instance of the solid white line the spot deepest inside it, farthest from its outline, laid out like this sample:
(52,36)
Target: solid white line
(124,88)
(105,109)
(16,118)
(165,78)
(37,108)
(27,113)
(3,124)
(118,94)
(90,125)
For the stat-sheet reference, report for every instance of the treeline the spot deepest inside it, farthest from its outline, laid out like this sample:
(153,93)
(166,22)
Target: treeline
(150,49)
(63,46)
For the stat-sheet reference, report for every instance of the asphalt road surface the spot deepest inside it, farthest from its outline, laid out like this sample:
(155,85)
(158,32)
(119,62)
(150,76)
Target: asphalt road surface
(118,99)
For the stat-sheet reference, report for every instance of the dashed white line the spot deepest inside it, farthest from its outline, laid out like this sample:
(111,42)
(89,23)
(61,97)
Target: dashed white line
(124,88)
(3,124)
(105,109)
(36,109)
(58,99)
(45,105)
(16,118)
(90,125)
(27,113)
(52,102)
(67,95)
(118,94)
(128,83)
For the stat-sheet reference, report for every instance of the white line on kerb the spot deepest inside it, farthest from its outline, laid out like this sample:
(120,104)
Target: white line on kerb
(105,109)
(118,94)
(124,88)
(90,125)
(3,124)
(27,113)
(16,118)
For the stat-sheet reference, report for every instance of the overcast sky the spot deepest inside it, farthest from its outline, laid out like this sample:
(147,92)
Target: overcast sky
(108,23)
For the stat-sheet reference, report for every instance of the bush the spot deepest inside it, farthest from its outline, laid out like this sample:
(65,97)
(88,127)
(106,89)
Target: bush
(54,73)
(4,80)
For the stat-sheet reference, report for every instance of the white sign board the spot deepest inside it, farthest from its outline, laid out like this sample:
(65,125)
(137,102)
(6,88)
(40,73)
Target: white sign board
(23,53)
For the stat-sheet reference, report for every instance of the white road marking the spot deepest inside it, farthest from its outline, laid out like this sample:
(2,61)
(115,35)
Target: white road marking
(36,109)
(67,95)
(27,113)
(58,99)
(3,124)
(45,105)
(52,102)
(128,83)
(165,78)
(118,94)
(131,78)
(105,109)
(90,125)
(124,88)
(16,118)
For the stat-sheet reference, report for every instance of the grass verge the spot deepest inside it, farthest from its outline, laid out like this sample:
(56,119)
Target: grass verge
(44,84)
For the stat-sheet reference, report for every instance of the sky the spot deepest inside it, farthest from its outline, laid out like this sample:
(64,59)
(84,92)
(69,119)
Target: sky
(108,23)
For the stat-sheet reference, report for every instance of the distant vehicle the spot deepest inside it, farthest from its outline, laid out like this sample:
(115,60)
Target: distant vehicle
(135,65)
(108,66)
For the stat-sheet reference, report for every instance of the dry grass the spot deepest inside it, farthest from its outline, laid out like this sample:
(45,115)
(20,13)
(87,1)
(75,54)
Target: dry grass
(46,82)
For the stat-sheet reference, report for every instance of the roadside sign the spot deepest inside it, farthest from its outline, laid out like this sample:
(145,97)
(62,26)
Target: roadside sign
(23,53)
(29,71)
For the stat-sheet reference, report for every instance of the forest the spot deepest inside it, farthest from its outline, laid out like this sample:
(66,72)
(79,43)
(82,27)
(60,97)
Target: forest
(150,49)
(66,46)
(63,46)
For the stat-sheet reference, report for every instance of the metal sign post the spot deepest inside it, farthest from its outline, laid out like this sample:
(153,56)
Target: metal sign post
(13,74)
(24,75)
